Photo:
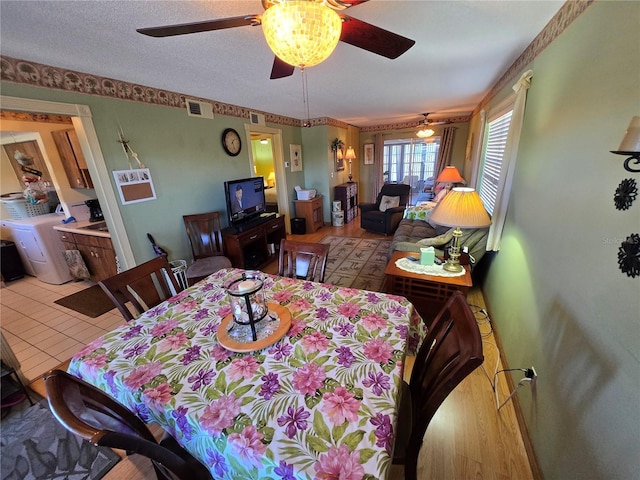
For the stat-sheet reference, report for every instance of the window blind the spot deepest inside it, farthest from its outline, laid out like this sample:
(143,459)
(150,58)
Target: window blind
(498,130)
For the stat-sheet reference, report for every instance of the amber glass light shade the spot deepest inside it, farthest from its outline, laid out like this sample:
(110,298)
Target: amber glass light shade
(301,33)
(425,132)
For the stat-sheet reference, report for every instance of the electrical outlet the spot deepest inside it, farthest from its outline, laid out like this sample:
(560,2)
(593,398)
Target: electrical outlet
(532,375)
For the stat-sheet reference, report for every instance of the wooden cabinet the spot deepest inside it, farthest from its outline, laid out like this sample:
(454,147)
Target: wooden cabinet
(73,161)
(347,193)
(254,245)
(311,211)
(97,253)
(30,149)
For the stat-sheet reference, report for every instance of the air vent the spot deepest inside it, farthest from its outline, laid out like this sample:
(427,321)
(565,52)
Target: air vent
(199,109)
(256,118)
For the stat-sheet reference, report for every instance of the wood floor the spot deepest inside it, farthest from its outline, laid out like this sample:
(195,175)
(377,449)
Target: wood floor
(468,437)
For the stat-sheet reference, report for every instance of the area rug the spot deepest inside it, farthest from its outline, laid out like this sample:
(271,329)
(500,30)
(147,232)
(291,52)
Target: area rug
(35,446)
(91,302)
(356,262)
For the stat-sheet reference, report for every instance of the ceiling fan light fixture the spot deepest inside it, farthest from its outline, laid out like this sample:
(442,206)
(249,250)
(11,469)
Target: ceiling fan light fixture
(302,33)
(425,132)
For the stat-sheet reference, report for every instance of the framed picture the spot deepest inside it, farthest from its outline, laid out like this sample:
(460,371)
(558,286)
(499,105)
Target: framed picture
(134,185)
(368,153)
(296,157)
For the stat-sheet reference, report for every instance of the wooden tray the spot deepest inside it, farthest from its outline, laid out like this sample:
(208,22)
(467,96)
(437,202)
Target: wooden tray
(233,345)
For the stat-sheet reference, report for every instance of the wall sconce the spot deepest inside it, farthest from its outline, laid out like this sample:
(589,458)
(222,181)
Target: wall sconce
(338,154)
(350,156)
(631,145)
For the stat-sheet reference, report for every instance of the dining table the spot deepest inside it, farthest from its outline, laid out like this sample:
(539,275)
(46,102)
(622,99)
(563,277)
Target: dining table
(321,402)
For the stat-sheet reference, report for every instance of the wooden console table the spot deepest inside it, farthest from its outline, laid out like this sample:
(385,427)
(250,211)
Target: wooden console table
(428,293)
(248,246)
(311,211)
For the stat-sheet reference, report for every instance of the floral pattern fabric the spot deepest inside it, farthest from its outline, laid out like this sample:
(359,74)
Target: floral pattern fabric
(321,403)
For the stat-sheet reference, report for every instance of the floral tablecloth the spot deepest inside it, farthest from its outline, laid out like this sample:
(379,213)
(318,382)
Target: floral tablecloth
(318,404)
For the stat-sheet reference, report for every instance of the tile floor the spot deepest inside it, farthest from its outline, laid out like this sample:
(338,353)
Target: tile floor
(42,334)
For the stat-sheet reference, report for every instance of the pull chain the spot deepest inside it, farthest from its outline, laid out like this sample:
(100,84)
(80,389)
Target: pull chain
(305,98)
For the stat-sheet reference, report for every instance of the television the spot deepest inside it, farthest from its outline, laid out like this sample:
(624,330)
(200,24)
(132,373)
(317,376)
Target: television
(245,199)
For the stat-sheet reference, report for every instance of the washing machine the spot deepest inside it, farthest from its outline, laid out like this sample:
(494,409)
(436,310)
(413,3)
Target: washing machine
(39,246)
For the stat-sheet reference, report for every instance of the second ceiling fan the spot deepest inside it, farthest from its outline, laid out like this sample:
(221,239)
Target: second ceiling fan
(352,31)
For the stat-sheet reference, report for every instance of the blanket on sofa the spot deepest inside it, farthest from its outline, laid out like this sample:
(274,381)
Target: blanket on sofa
(413,234)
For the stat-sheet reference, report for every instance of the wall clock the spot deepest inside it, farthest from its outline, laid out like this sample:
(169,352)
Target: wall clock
(231,142)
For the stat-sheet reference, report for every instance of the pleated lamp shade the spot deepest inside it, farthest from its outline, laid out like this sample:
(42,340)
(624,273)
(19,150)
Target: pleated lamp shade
(461,207)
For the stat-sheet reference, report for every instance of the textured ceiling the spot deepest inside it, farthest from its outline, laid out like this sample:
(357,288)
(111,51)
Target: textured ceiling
(462,48)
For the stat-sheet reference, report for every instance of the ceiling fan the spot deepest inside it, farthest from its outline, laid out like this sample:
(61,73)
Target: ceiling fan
(424,128)
(353,31)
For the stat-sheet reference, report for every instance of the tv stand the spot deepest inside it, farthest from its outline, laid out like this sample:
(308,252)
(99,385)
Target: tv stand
(254,244)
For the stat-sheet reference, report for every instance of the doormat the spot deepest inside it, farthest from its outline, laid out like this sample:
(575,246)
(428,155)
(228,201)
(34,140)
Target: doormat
(91,302)
(34,445)
(356,262)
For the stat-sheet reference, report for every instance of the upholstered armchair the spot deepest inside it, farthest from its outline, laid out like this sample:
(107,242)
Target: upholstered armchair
(385,215)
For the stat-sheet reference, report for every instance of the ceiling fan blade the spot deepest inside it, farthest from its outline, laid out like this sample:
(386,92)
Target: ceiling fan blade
(373,39)
(281,69)
(196,27)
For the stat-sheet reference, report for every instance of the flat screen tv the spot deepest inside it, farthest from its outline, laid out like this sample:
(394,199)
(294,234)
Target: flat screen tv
(245,199)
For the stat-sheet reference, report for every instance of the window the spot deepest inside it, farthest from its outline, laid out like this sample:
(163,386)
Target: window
(492,162)
(410,161)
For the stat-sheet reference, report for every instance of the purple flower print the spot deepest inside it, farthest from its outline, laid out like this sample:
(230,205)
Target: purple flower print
(209,328)
(398,310)
(181,421)
(218,463)
(324,295)
(270,386)
(108,377)
(284,471)
(192,355)
(201,378)
(403,330)
(345,329)
(200,314)
(155,311)
(294,420)
(281,350)
(384,433)
(372,297)
(377,382)
(322,313)
(132,332)
(345,357)
(136,350)
(142,411)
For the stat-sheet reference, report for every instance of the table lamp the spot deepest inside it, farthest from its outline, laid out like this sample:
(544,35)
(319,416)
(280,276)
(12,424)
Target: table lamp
(461,208)
(350,156)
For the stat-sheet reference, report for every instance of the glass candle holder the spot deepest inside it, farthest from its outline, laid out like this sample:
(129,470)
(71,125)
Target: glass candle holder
(247,300)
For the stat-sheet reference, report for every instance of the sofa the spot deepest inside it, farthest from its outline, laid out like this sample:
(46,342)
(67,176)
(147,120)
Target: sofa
(412,234)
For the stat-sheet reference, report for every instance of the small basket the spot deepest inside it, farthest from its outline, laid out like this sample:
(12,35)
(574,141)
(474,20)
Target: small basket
(20,208)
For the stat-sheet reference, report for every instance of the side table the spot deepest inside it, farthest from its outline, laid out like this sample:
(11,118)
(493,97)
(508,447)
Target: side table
(428,293)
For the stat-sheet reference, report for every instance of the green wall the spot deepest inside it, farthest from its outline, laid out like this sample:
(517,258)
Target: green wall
(555,293)
(184,154)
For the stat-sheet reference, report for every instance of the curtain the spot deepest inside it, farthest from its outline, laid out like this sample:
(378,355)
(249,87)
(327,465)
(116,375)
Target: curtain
(446,147)
(509,161)
(476,149)
(378,160)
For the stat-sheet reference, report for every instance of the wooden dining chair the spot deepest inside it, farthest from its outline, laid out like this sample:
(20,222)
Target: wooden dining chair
(451,350)
(205,237)
(142,287)
(96,417)
(302,260)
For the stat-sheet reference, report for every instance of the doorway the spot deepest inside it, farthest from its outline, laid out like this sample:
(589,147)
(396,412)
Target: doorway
(266,159)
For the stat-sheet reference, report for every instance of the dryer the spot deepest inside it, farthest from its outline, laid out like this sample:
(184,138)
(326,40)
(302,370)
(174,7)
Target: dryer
(39,246)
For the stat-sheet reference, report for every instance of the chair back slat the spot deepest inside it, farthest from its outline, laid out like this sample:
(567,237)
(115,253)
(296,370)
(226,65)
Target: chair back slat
(143,287)
(96,417)
(205,234)
(303,260)
(451,350)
